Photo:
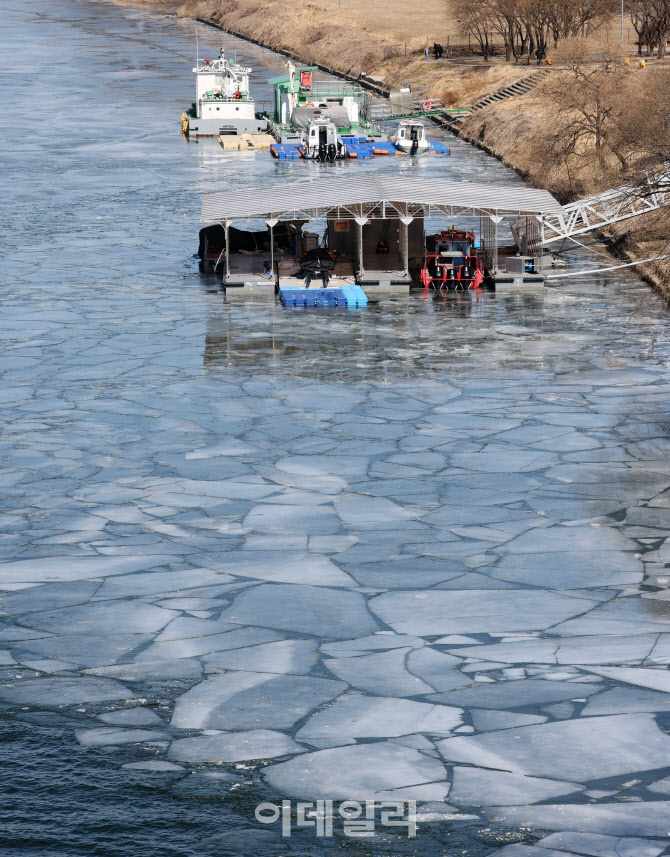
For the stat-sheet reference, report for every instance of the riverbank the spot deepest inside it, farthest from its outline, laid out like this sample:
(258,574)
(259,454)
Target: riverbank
(352,43)
(520,132)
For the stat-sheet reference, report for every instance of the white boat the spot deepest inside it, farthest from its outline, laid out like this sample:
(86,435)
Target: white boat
(411,137)
(320,141)
(223,104)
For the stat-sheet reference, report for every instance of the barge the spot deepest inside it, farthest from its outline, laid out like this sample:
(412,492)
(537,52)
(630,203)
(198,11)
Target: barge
(223,104)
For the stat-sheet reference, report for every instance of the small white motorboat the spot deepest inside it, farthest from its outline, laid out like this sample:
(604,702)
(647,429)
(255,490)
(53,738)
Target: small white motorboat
(321,142)
(411,137)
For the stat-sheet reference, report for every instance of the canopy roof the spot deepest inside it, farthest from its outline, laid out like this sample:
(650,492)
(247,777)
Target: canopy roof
(375,196)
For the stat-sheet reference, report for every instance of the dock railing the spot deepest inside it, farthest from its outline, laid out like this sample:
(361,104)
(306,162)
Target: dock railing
(333,88)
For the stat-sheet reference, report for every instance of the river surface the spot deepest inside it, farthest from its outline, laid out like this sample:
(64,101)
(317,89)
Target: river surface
(414,552)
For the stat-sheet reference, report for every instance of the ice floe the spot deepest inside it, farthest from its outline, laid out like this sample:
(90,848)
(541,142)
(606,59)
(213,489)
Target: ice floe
(433,612)
(482,787)
(385,673)
(356,715)
(576,750)
(60,691)
(333,613)
(239,699)
(365,772)
(234,746)
(104,735)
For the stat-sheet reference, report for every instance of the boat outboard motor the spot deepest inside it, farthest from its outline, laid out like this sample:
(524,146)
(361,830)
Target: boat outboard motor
(414,134)
(332,151)
(316,263)
(323,143)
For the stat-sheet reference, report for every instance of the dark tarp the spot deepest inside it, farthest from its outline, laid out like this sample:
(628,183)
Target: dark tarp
(213,239)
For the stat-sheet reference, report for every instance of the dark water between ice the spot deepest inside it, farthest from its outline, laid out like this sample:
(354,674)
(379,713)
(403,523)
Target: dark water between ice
(501,459)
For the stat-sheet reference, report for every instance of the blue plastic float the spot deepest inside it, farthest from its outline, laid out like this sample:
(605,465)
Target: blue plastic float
(343,296)
(359,150)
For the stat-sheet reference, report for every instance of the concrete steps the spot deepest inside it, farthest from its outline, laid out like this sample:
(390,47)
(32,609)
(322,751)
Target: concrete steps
(512,90)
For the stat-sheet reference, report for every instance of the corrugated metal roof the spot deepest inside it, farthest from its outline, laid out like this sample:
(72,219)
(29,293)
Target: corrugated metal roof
(283,200)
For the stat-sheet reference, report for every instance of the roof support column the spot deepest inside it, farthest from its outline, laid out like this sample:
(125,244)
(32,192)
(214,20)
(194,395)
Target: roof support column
(495,219)
(360,222)
(227,230)
(272,222)
(406,220)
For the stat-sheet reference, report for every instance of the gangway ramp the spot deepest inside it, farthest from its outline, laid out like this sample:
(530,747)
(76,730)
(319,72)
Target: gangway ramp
(604,209)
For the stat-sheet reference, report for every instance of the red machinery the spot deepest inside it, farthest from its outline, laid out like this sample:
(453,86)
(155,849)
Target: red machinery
(453,263)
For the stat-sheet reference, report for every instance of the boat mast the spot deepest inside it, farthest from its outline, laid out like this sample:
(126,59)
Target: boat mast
(291,83)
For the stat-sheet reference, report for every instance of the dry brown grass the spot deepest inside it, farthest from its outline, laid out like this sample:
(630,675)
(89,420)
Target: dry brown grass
(348,35)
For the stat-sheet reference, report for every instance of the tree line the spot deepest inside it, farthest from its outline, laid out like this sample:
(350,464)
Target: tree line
(531,27)
(651,21)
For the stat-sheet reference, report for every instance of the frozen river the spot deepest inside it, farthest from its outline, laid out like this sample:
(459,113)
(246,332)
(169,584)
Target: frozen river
(413,552)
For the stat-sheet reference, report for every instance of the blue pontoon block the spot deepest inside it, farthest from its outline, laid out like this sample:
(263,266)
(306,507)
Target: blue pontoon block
(438,148)
(383,147)
(360,151)
(354,295)
(285,151)
(345,296)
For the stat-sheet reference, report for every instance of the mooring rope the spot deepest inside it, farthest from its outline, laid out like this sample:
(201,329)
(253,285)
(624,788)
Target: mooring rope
(603,270)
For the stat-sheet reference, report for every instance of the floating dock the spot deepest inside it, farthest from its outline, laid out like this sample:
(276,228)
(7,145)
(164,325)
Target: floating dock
(343,296)
(246,142)
(285,151)
(360,149)
(374,228)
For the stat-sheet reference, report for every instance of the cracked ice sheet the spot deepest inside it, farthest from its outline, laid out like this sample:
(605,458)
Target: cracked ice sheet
(104,617)
(324,612)
(570,650)
(366,772)
(454,612)
(642,819)
(575,750)
(68,568)
(567,570)
(599,845)
(481,787)
(384,673)
(235,699)
(286,567)
(234,746)
(356,715)
(55,692)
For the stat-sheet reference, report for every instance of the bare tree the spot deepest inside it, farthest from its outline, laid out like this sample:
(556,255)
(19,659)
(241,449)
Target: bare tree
(527,26)
(476,20)
(642,21)
(590,105)
(661,23)
(651,21)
